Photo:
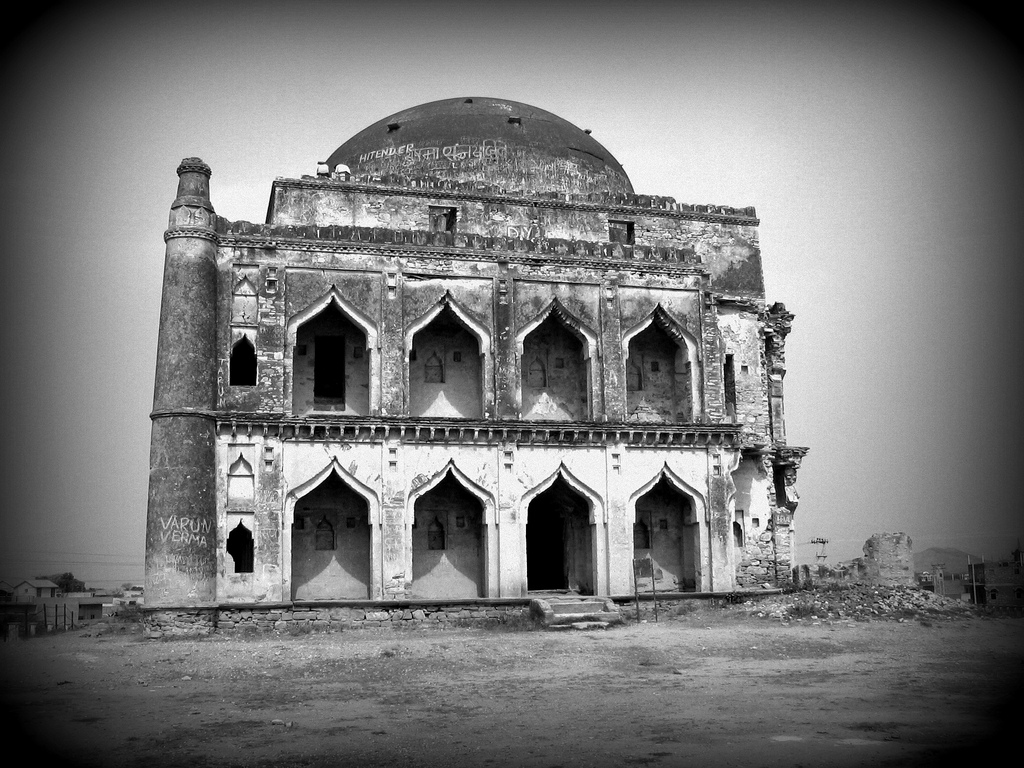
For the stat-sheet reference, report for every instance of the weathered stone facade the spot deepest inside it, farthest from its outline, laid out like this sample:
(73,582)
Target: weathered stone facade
(432,385)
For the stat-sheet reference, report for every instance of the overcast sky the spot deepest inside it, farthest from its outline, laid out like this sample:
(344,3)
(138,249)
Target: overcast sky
(880,146)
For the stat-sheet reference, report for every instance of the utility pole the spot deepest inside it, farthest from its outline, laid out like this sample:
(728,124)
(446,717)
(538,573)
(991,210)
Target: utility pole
(821,556)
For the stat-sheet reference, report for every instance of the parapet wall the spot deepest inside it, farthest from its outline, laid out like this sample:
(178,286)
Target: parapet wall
(467,188)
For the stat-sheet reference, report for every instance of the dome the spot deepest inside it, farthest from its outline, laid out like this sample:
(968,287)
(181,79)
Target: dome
(503,143)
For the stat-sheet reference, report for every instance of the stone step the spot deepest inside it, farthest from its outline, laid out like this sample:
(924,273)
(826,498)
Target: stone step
(558,612)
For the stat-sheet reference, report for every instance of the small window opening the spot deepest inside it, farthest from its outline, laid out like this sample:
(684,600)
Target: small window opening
(243,364)
(324,538)
(468,101)
(299,523)
(515,120)
(641,536)
(435,535)
(442,219)
(620,232)
(729,375)
(456,357)
(240,547)
(559,362)
(392,127)
(663,524)
(357,352)
(460,521)
(433,370)
(992,595)
(655,366)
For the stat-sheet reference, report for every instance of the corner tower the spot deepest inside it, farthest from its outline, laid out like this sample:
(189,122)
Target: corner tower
(181,542)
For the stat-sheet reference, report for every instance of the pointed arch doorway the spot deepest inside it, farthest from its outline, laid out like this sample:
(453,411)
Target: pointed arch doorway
(560,541)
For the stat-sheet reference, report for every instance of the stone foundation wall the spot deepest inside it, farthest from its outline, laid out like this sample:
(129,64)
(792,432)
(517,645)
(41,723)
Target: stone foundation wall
(329,617)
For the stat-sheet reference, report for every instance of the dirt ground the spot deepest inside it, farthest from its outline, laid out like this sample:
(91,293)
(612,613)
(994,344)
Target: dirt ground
(717,687)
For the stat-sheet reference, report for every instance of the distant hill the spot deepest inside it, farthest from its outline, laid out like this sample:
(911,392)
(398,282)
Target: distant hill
(954,560)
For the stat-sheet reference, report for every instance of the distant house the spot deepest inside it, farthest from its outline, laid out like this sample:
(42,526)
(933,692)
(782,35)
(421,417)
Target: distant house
(90,609)
(31,590)
(944,583)
(6,592)
(999,583)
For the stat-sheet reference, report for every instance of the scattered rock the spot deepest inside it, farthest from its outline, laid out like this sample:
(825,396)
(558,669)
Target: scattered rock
(860,602)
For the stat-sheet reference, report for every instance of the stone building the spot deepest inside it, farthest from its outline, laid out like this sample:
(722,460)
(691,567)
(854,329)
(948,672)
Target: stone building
(464,359)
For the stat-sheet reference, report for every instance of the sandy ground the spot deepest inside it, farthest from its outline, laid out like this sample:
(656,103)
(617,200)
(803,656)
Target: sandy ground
(718,687)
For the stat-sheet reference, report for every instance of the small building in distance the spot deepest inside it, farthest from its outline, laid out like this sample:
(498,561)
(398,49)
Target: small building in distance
(998,583)
(465,360)
(32,590)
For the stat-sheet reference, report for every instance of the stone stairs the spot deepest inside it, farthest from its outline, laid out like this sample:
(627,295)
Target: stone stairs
(574,612)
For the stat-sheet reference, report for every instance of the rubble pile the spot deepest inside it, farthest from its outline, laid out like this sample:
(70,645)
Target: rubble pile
(860,602)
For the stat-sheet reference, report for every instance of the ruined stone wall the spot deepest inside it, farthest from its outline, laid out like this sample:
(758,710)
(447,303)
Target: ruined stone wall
(889,559)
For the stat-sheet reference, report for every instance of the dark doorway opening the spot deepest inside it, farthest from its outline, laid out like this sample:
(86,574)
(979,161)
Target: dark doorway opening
(329,368)
(545,549)
(559,541)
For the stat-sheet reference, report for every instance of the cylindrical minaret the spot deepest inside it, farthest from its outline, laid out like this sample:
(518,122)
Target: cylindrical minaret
(181,525)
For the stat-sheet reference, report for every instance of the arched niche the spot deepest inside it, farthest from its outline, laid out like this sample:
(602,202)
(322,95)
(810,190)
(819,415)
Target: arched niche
(332,537)
(448,352)
(660,359)
(335,365)
(555,353)
(449,542)
(669,513)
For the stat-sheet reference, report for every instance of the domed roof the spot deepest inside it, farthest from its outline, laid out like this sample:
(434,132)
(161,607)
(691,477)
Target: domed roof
(504,143)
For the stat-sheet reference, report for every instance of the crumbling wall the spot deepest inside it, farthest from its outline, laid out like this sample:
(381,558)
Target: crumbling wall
(888,560)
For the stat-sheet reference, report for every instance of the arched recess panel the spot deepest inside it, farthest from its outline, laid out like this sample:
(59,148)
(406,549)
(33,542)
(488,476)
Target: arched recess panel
(330,543)
(448,542)
(560,541)
(666,528)
(657,378)
(445,369)
(554,367)
(331,365)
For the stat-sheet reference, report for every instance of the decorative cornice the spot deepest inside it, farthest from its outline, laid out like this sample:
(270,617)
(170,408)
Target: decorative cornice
(193,165)
(200,232)
(627,204)
(379,429)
